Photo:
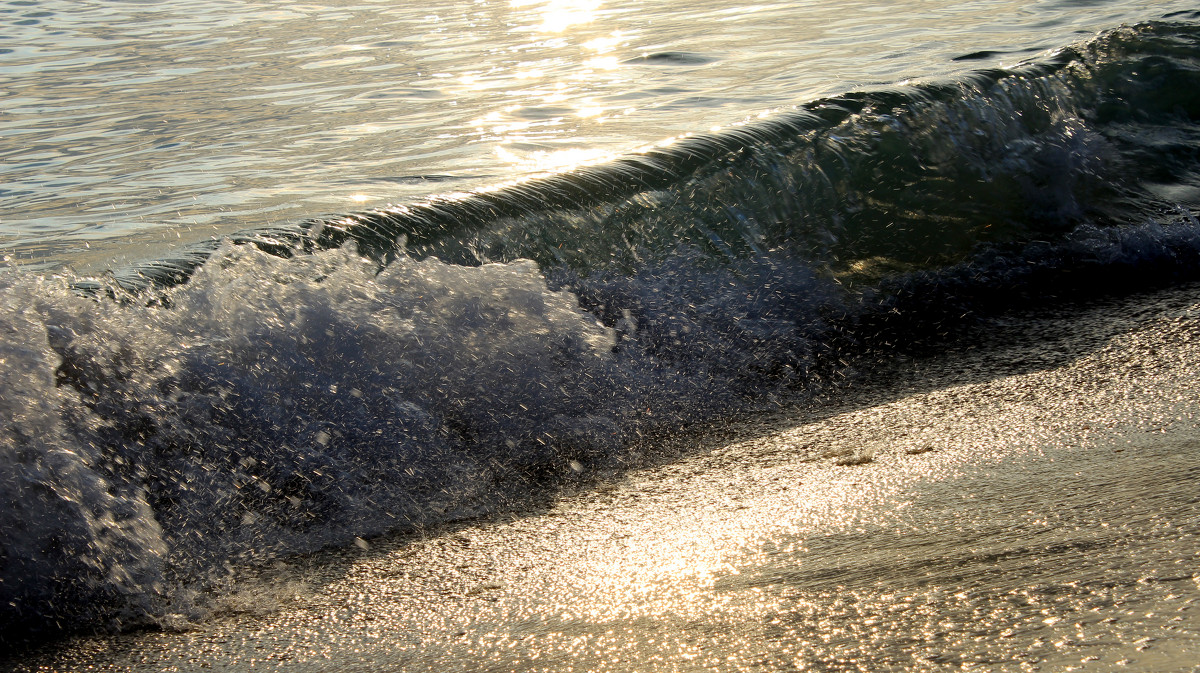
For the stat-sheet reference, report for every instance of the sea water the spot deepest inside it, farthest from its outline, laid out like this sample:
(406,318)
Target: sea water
(132,126)
(285,276)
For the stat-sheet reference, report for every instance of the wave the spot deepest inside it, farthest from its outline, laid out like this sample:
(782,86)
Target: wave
(296,387)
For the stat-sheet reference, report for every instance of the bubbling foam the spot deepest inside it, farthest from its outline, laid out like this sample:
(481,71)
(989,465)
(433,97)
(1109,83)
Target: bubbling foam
(274,406)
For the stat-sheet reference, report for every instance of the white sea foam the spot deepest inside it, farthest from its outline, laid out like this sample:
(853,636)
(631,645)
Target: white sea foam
(276,405)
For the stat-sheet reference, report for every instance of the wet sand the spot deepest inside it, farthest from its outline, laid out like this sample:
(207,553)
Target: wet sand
(1025,499)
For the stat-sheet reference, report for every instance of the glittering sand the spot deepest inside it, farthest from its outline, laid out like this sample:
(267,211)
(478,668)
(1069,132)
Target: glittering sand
(1024,500)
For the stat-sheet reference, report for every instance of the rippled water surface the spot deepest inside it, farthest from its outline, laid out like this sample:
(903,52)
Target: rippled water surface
(127,127)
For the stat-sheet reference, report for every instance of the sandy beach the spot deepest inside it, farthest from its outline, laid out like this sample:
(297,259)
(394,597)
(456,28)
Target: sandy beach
(1023,499)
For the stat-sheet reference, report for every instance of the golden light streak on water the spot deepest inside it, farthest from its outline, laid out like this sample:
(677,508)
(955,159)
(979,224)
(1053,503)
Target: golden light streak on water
(558,15)
(541,161)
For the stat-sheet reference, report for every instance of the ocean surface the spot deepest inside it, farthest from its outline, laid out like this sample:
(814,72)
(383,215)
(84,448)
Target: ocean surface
(282,277)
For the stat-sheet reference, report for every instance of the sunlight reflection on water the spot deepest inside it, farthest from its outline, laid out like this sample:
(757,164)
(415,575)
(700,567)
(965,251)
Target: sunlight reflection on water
(135,126)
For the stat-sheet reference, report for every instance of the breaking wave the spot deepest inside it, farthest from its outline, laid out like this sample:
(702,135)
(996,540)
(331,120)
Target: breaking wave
(297,387)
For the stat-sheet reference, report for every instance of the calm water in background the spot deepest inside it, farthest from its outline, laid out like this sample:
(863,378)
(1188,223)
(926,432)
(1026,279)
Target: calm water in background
(130,127)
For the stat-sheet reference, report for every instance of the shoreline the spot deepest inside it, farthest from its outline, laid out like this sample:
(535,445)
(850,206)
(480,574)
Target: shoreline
(1029,479)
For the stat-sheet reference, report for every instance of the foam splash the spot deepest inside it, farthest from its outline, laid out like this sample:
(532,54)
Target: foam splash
(278,405)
